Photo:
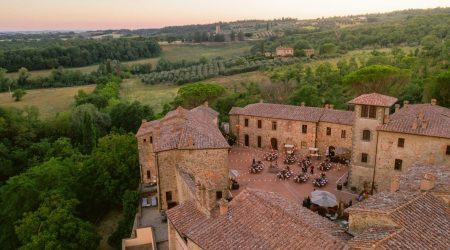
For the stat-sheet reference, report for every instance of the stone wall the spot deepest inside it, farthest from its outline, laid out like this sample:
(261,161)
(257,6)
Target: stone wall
(195,162)
(287,132)
(359,221)
(324,141)
(361,172)
(424,150)
(146,159)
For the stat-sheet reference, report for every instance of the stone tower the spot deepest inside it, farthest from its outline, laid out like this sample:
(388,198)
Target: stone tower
(371,111)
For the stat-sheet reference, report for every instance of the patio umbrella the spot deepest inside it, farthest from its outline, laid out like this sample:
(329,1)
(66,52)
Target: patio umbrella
(233,173)
(323,199)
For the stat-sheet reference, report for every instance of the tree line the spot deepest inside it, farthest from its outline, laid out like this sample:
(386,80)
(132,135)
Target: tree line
(78,53)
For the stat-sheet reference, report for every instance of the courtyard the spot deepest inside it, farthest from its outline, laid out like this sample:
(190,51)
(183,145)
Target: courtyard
(240,159)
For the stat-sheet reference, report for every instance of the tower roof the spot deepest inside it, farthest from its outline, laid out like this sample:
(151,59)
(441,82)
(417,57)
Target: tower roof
(374,99)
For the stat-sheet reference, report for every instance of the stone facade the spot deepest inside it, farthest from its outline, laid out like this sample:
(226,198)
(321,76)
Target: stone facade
(340,136)
(284,52)
(416,149)
(361,174)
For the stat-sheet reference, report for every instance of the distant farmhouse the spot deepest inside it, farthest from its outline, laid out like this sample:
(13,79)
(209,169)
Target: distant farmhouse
(284,52)
(309,52)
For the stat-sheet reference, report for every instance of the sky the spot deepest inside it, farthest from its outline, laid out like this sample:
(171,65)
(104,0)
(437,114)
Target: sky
(33,15)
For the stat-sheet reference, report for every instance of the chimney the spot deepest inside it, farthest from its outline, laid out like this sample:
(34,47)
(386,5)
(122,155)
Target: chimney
(223,206)
(397,107)
(405,103)
(421,115)
(433,102)
(261,101)
(414,124)
(144,121)
(327,106)
(427,182)
(205,103)
(395,183)
(302,104)
(424,124)
(331,106)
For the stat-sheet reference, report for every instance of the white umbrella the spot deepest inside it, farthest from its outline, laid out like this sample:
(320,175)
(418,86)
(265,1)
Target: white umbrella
(233,173)
(323,199)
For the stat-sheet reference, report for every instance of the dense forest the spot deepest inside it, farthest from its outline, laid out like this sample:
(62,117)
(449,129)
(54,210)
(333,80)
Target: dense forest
(74,52)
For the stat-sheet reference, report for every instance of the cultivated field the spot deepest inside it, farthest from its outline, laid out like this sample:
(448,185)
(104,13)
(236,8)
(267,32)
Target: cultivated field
(175,52)
(48,101)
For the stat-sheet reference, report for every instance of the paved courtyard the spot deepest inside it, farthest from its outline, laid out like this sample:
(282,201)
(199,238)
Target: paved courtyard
(240,159)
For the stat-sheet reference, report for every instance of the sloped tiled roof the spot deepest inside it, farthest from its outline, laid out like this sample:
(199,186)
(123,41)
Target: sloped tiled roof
(298,113)
(185,129)
(274,223)
(420,119)
(410,180)
(422,220)
(374,99)
(372,236)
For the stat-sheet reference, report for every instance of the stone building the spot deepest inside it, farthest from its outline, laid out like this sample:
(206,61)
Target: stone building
(254,219)
(309,52)
(185,144)
(414,134)
(271,126)
(284,51)
(382,144)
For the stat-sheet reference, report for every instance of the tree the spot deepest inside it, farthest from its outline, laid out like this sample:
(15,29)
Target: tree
(54,226)
(307,94)
(23,77)
(328,48)
(18,94)
(192,95)
(382,79)
(5,82)
(128,116)
(439,88)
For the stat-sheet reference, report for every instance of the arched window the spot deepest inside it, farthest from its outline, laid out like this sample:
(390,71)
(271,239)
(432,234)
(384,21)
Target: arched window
(366,135)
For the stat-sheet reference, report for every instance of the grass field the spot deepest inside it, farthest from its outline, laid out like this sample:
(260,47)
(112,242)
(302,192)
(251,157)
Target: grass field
(48,101)
(175,52)
(154,95)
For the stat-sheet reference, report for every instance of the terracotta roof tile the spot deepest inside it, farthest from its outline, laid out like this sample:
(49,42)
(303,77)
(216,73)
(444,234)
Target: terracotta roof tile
(374,99)
(184,129)
(410,180)
(298,113)
(372,236)
(422,219)
(276,223)
(420,119)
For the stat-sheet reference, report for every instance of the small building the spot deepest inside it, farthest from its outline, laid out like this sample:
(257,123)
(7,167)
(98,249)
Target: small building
(309,52)
(284,52)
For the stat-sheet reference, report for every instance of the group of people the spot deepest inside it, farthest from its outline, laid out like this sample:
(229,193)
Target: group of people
(256,167)
(320,181)
(285,173)
(301,178)
(325,165)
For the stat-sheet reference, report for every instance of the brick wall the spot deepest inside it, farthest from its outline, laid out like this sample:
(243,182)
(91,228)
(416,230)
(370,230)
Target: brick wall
(146,158)
(324,141)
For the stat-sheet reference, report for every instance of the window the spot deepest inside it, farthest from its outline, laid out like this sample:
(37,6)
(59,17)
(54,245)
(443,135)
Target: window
(364,157)
(401,142)
(343,134)
(328,131)
(259,141)
(304,129)
(398,164)
(368,111)
(448,150)
(169,196)
(145,140)
(148,174)
(259,124)
(247,140)
(366,135)
(218,195)
(274,125)
(304,145)
(151,139)
(246,122)
(274,143)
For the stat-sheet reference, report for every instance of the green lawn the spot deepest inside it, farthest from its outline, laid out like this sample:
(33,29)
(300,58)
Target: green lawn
(154,95)
(173,52)
(48,101)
